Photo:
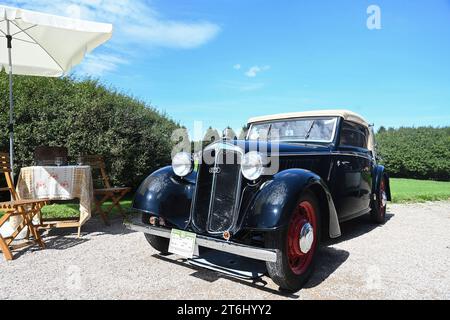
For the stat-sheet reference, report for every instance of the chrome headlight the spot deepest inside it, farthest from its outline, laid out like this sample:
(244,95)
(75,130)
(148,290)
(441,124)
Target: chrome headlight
(182,164)
(252,165)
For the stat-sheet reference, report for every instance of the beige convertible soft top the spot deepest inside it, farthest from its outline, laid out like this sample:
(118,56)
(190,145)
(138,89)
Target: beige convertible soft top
(346,114)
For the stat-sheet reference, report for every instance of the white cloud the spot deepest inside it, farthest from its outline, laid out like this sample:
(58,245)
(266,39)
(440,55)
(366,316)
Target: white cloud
(99,64)
(172,34)
(237,67)
(253,71)
(136,24)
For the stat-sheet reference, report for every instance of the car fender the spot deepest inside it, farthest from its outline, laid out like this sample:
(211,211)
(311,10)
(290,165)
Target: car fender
(163,194)
(379,171)
(274,203)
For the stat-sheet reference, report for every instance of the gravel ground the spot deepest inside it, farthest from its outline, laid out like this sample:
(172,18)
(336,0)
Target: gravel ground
(407,258)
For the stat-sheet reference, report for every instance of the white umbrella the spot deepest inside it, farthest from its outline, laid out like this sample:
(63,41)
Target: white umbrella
(40,44)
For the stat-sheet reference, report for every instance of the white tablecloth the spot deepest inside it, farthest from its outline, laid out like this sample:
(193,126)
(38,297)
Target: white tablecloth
(58,183)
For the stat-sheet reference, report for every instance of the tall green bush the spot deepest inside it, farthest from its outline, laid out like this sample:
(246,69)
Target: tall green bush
(87,118)
(421,153)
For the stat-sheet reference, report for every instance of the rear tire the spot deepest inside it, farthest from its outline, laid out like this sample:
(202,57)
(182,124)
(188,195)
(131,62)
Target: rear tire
(293,266)
(378,213)
(158,243)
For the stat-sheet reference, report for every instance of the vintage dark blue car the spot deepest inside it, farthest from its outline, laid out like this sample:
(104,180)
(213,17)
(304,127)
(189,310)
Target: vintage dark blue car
(272,196)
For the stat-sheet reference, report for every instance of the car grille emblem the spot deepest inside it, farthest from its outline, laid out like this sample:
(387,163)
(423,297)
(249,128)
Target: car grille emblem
(215,170)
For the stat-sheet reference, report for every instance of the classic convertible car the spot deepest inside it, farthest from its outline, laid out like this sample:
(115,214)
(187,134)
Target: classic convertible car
(270,197)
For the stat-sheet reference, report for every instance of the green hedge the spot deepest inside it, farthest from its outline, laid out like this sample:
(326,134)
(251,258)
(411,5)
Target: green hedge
(420,153)
(87,118)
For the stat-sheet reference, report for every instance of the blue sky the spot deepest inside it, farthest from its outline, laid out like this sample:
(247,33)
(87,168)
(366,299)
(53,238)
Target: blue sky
(224,61)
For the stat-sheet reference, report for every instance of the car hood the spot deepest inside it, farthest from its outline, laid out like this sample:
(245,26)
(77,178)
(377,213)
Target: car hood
(275,147)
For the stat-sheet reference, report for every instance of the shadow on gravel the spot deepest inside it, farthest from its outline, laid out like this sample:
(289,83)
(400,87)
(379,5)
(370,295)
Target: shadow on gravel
(96,227)
(17,253)
(61,242)
(329,258)
(328,261)
(212,276)
(357,227)
(65,238)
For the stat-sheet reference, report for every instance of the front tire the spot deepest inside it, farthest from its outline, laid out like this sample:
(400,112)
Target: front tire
(158,243)
(378,213)
(297,245)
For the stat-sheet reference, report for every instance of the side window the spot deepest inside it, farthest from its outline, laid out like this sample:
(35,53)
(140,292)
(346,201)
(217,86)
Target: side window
(354,135)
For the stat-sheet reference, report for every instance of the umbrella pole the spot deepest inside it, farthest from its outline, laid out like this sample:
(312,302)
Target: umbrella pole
(11,101)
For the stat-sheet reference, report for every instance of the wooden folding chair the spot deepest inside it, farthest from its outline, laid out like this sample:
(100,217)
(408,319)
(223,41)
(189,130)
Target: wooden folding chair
(26,209)
(106,191)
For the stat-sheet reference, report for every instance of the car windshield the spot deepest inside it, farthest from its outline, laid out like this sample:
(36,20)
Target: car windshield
(306,129)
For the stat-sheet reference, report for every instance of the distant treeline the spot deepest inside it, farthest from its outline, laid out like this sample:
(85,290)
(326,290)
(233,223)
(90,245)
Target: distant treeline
(420,153)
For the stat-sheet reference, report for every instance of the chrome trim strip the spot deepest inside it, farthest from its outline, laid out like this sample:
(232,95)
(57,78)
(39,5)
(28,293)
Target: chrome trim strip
(194,198)
(223,145)
(349,153)
(213,190)
(330,170)
(269,255)
(333,153)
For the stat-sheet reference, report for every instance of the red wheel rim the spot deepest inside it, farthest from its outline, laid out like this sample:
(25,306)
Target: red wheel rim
(304,214)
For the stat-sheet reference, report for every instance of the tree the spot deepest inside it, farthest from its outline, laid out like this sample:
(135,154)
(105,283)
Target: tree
(422,153)
(229,133)
(381,129)
(211,136)
(243,133)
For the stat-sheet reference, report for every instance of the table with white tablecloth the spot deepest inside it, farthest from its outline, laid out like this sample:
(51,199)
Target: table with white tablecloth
(59,183)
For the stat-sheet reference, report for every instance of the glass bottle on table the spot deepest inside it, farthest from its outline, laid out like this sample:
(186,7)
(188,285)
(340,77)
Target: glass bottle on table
(59,161)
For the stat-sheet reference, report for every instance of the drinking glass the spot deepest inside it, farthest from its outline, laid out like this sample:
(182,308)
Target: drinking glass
(59,161)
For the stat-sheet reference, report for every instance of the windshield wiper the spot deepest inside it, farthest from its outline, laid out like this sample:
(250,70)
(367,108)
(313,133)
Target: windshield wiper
(310,129)
(269,133)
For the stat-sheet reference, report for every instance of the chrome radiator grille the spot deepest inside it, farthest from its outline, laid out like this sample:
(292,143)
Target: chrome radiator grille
(218,192)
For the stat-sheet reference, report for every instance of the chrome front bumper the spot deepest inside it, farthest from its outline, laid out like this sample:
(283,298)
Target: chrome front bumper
(269,255)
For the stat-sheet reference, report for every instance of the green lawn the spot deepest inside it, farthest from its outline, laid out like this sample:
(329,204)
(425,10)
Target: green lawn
(409,190)
(403,190)
(72,210)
